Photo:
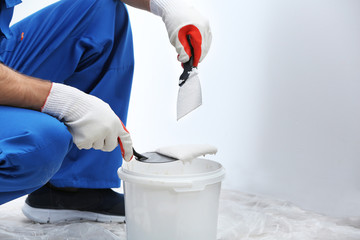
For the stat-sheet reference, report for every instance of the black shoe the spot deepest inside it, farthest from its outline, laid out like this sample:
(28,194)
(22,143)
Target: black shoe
(49,204)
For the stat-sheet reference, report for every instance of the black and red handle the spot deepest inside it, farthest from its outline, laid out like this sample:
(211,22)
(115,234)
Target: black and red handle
(188,66)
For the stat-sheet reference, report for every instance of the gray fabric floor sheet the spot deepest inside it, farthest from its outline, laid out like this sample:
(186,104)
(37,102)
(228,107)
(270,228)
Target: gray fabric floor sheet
(241,217)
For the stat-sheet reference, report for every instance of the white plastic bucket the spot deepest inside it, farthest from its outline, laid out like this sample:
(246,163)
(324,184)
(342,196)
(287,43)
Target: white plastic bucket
(172,201)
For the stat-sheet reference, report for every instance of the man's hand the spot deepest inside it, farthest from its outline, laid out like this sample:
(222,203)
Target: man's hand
(182,20)
(91,122)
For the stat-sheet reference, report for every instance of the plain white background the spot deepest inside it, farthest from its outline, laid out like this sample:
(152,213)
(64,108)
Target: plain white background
(281,96)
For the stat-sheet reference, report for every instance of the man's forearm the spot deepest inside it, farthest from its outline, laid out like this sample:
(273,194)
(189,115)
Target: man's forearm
(141,4)
(18,90)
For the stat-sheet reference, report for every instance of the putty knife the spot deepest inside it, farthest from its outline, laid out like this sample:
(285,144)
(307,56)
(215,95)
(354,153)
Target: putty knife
(189,95)
(152,157)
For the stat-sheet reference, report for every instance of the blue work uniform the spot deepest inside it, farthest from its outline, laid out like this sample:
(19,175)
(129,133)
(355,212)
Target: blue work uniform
(86,44)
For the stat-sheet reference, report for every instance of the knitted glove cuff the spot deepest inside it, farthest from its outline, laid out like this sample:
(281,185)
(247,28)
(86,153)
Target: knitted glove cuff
(66,103)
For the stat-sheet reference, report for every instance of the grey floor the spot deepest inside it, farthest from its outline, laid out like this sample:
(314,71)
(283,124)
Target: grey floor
(241,216)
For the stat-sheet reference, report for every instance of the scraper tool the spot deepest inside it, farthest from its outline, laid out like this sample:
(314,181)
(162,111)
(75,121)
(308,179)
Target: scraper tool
(152,157)
(189,95)
(184,152)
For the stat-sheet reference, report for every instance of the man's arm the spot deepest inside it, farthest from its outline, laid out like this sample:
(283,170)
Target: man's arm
(91,122)
(141,4)
(18,90)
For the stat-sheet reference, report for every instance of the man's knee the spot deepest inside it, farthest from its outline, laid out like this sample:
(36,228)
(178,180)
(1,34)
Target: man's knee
(36,149)
(49,142)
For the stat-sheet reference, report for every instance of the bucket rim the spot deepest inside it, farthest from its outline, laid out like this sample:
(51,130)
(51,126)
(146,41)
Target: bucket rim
(188,181)
(219,166)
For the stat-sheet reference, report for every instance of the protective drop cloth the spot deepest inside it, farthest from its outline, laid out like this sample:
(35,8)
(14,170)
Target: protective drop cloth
(241,217)
(187,151)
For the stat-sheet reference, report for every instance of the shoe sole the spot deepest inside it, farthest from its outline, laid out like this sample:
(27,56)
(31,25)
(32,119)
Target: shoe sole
(41,215)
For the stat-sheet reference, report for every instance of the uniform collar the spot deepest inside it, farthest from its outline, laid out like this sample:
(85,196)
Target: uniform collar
(12,3)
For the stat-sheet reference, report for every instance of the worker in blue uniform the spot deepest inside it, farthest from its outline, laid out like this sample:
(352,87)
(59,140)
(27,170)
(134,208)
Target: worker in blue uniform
(65,82)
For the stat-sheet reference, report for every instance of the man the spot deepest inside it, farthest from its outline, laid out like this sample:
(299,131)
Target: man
(65,84)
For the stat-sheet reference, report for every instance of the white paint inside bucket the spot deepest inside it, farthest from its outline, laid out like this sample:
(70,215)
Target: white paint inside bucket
(175,200)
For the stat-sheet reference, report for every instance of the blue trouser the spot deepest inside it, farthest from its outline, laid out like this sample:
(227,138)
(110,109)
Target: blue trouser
(86,44)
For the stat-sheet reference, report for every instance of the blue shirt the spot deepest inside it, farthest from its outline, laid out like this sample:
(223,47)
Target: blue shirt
(6,13)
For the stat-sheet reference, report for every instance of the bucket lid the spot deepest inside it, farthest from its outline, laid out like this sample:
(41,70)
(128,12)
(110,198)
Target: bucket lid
(185,175)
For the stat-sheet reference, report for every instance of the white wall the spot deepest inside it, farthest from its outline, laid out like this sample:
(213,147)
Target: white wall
(280,97)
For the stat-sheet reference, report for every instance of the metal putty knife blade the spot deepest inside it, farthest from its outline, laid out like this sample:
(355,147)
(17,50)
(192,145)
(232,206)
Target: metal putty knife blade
(152,157)
(189,95)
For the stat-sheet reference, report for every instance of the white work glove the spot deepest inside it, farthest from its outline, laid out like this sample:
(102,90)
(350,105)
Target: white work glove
(181,20)
(91,121)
